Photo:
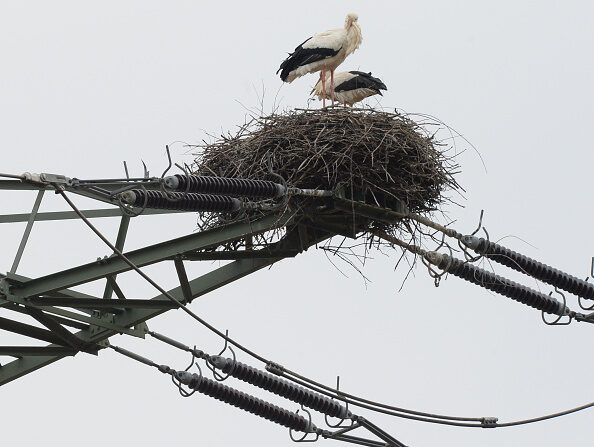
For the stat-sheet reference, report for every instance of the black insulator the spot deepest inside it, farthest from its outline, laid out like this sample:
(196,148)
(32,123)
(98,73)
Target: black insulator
(245,402)
(186,202)
(538,270)
(496,283)
(224,186)
(281,387)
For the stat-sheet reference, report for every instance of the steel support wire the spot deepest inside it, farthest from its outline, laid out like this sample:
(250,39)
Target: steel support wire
(360,422)
(260,407)
(166,294)
(229,395)
(254,377)
(301,380)
(379,432)
(312,384)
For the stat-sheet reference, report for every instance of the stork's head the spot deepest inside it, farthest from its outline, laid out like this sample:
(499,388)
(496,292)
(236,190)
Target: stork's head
(350,18)
(353,32)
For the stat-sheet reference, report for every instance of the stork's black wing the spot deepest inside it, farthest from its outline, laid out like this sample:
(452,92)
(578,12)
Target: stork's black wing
(361,80)
(303,56)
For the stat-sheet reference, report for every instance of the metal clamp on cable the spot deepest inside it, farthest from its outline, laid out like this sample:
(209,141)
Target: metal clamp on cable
(46,178)
(310,192)
(489,422)
(190,379)
(275,368)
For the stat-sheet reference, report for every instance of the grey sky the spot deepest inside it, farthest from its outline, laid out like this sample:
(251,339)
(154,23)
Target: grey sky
(84,86)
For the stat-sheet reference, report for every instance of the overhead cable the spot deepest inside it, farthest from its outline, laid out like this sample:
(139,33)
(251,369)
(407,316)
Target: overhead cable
(302,380)
(229,395)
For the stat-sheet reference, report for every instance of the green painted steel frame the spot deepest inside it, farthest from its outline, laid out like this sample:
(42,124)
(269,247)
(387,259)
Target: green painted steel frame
(20,291)
(144,256)
(43,297)
(198,287)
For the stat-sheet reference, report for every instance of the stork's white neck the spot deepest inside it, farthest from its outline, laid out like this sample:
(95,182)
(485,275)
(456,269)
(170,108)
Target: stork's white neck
(354,37)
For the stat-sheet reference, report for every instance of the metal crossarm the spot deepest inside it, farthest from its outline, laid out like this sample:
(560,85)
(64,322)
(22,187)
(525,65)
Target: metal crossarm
(133,316)
(29,330)
(51,301)
(24,351)
(145,256)
(100,303)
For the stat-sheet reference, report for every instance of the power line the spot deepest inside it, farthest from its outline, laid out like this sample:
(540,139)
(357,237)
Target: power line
(297,378)
(309,383)
(269,411)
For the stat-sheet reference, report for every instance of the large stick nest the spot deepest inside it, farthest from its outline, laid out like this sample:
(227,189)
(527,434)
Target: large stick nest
(371,155)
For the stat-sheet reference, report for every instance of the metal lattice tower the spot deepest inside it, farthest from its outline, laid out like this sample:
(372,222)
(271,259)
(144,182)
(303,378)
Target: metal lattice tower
(73,322)
(51,300)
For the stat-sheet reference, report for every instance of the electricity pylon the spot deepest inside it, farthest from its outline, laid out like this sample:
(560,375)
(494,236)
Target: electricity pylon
(52,301)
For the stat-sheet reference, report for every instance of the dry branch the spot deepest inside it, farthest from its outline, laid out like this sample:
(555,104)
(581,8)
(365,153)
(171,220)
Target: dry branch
(370,155)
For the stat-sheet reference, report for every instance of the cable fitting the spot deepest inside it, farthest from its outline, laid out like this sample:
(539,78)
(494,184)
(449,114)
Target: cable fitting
(489,422)
(190,379)
(46,178)
(199,354)
(165,369)
(275,368)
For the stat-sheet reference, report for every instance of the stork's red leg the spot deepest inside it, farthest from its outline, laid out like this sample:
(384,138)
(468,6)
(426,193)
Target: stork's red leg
(345,103)
(324,86)
(332,86)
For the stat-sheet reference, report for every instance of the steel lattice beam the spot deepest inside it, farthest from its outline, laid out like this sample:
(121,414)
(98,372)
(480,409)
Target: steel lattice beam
(23,351)
(51,301)
(296,240)
(145,256)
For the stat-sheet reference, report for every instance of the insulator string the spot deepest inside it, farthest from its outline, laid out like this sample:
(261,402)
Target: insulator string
(224,186)
(297,378)
(527,265)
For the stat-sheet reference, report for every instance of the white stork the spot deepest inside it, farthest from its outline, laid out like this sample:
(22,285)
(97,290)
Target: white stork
(350,87)
(323,52)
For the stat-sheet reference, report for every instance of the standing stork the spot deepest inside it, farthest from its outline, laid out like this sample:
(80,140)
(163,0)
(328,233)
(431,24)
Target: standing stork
(323,52)
(350,87)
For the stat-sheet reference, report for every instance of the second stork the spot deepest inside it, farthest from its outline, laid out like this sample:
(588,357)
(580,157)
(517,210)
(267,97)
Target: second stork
(350,87)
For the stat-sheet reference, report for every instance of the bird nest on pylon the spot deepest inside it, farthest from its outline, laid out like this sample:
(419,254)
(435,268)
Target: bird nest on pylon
(382,159)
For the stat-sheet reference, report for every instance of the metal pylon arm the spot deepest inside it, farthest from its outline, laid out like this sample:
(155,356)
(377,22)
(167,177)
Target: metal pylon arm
(144,256)
(52,302)
(23,293)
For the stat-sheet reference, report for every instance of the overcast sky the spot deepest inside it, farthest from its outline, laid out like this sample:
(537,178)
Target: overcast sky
(84,86)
